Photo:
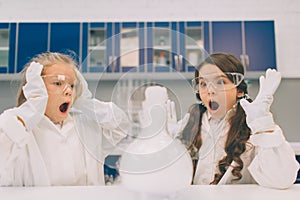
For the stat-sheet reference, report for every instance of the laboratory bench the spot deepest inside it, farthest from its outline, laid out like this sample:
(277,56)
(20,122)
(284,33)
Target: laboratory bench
(296,147)
(198,192)
(112,162)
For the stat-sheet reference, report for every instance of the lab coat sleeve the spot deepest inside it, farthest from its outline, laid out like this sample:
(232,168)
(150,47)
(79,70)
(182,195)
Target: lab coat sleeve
(274,164)
(13,138)
(21,163)
(114,121)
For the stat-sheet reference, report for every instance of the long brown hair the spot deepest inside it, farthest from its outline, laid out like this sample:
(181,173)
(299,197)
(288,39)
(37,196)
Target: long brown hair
(238,133)
(46,59)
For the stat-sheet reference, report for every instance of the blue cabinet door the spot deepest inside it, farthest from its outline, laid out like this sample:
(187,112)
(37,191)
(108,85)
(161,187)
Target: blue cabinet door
(192,45)
(160,47)
(260,45)
(5,37)
(85,46)
(65,38)
(253,42)
(143,48)
(227,37)
(110,53)
(12,47)
(187,43)
(207,37)
(178,46)
(94,44)
(130,46)
(32,40)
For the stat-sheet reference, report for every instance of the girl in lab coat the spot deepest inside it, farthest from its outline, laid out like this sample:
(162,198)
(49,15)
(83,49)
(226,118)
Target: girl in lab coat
(232,139)
(54,135)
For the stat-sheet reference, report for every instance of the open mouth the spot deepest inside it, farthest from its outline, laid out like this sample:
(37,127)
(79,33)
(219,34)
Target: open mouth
(64,107)
(213,105)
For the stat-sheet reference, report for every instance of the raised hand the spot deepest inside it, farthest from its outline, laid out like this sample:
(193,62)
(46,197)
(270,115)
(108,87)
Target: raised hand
(35,92)
(259,118)
(175,127)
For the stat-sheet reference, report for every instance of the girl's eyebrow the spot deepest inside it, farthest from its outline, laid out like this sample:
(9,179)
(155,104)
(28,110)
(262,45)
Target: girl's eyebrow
(217,76)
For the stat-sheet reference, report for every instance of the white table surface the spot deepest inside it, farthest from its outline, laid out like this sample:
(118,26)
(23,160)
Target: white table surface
(205,192)
(296,147)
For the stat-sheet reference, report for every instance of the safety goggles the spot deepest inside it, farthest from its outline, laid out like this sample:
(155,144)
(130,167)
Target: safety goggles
(224,81)
(59,83)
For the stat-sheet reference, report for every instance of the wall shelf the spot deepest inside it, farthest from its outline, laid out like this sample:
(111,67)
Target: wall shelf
(136,75)
(140,76)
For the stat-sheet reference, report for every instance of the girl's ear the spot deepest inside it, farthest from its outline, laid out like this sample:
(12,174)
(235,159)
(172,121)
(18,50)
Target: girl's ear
(240,94)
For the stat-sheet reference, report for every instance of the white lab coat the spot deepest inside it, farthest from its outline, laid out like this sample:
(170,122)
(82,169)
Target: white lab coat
(54,155)
(268,160)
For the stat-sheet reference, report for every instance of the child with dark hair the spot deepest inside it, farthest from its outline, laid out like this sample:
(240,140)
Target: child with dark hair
(233,140)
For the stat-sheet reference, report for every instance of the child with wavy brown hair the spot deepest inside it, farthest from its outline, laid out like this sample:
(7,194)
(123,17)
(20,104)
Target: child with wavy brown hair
(233,140)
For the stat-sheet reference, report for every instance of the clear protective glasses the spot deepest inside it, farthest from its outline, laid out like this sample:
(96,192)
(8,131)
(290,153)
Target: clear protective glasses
(221,82)
(58,84)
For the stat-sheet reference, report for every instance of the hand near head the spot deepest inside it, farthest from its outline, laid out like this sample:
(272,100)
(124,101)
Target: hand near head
(83,98)
(84,101)
(85,92)
(34,86)
(259,118)
(35,92)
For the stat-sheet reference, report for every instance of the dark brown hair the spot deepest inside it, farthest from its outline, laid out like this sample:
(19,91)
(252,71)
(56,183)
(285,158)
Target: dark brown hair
(238,133)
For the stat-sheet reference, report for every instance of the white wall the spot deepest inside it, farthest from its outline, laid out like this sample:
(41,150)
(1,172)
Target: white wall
(286,14)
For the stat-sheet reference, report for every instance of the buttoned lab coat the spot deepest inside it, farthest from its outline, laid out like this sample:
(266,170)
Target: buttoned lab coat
(53,155)
(268,160)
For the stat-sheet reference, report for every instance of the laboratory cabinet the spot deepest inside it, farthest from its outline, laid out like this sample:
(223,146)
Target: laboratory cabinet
(253,42)
(19,42)
(141,47)
(4,48)
(64,37)
(174,46)
(32,39)
(113,47)
(298,174)
(120,47)
(7,47)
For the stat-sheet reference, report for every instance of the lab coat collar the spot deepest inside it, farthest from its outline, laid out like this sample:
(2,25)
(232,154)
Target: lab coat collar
(213,125)
(64,130)
(227,115)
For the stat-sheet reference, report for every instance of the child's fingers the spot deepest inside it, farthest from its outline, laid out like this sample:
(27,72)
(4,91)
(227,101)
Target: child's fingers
(173,111)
